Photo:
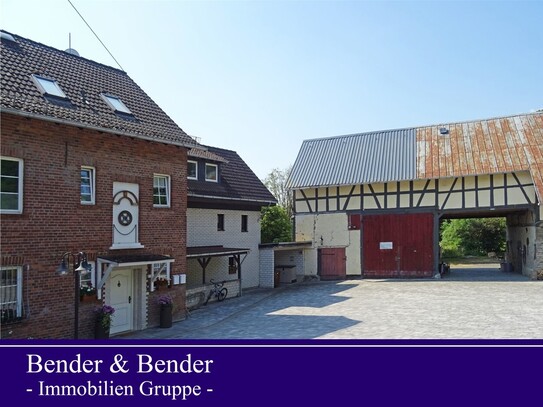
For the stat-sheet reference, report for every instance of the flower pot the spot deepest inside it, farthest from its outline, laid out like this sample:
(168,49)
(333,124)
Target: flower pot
(89,298)
(165,316)
(100,332)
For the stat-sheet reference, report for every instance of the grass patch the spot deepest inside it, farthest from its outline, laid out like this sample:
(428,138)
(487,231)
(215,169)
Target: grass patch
(471,260)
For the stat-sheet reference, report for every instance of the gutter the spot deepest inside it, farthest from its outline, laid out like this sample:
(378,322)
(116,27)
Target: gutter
(231,199)
(96,128)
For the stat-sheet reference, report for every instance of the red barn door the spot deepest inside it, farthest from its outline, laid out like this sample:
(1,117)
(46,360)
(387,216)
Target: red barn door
(400,245)
(332,263)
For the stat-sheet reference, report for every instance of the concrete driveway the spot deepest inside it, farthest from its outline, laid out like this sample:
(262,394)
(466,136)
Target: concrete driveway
(467,304)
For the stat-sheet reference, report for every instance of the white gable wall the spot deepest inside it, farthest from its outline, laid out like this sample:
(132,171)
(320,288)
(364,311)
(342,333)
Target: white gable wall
(202,231)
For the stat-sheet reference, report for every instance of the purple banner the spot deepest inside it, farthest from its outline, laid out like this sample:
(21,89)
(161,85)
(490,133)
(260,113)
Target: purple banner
(265,373)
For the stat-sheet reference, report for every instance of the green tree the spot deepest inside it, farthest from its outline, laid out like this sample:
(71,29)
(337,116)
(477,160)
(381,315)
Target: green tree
(276,182)
(275,225)
(450,239)
(460,237)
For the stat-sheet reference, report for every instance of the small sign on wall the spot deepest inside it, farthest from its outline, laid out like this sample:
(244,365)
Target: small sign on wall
(385,245)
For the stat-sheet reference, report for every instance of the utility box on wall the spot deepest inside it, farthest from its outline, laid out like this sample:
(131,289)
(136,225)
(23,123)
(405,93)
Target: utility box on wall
(179,279)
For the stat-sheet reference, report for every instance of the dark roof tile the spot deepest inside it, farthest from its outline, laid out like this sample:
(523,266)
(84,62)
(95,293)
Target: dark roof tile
(82,80)
(206,154)
(237,181)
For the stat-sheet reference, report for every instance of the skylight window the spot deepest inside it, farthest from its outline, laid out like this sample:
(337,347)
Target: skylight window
(116,104)
(48,86)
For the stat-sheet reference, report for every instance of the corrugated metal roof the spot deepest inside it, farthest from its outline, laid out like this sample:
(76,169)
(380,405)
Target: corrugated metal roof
(497,145)
(490,146)
(355,159)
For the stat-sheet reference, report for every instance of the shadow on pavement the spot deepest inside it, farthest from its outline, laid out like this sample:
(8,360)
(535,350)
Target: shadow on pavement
(255,315)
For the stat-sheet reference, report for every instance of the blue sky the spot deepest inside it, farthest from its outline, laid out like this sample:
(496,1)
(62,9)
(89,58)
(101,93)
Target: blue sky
(261,77)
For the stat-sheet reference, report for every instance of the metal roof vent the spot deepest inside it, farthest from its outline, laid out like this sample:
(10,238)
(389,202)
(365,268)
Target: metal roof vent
(443,131)
(6,37)
(72,52)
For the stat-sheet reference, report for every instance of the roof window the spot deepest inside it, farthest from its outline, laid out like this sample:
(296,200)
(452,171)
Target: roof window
(48,86)
(115,103)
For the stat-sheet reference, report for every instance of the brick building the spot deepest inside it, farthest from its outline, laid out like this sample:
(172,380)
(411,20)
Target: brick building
(89,164)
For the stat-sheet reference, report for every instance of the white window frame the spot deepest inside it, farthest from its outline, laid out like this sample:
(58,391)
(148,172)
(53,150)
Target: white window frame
(89,276)
(40,81)
(111,100)
(19,209)
(19,305)
(92,183)
(216,172)
(168,193)
(195,165)
(160,271)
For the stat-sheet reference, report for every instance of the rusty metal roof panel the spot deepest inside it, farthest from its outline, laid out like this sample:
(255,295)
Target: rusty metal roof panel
(355,159)
(488,146)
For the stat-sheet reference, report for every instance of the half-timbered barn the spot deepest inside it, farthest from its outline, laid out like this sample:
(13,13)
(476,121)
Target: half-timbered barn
(372,203)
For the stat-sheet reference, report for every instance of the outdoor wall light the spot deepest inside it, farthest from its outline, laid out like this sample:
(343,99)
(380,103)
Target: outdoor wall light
(80,267)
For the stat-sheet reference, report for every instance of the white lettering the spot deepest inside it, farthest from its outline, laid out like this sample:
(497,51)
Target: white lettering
(187,365)
(147,389)
(36,364)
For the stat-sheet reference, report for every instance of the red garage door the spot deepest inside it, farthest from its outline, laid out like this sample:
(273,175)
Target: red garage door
(398,245)
(332,263)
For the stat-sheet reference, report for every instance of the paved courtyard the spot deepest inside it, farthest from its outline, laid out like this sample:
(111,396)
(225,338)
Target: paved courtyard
(467,304)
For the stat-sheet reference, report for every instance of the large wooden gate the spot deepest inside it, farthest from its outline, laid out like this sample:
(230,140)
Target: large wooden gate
(332,263)
(398,245)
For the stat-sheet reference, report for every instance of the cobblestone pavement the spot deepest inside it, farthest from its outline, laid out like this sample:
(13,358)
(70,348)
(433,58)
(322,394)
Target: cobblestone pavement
(466,304)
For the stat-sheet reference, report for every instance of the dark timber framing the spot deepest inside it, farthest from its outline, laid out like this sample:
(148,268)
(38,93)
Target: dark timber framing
(440,189)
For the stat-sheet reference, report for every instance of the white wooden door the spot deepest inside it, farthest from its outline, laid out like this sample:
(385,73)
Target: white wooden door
(121,297)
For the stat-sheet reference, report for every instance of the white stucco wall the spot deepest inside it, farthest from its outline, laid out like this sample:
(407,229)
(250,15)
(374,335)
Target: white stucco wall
(352,252)
(329,230)
(331,227)
(202,231)
(310,262)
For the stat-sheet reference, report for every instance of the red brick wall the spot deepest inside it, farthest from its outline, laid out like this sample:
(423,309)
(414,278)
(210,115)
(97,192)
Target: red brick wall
(54,221)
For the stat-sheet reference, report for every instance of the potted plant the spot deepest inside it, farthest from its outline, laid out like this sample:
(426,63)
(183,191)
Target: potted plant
(87,293)
(104,315)
(161,283)
(166,308)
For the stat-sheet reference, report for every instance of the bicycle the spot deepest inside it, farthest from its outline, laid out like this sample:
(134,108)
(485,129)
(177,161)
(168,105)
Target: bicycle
(218,290)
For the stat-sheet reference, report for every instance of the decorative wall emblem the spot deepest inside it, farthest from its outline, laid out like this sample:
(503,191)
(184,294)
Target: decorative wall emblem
(125,216)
